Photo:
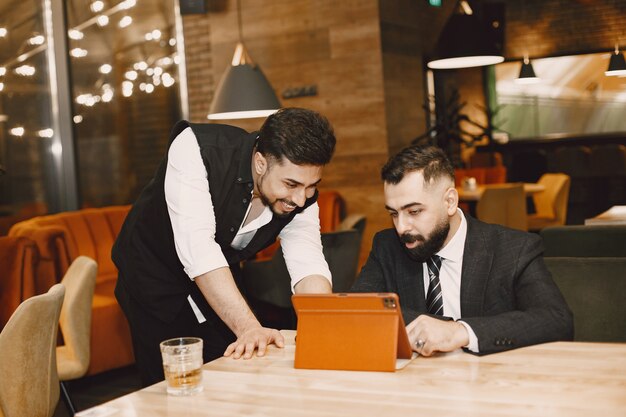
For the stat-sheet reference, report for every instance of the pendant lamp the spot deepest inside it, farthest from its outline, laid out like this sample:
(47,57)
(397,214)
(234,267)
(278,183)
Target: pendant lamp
(527,73)
(464,43)
(617,64)
(243,91)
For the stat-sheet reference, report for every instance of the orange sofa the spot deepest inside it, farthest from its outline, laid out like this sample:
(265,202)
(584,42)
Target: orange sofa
(61,238)
(18,260)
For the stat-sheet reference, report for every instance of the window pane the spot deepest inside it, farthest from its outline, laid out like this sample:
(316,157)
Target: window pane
(27,181)
(124,77)
(572,96)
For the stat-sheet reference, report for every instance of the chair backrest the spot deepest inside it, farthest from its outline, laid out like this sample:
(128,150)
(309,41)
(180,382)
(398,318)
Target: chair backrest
(332,209)
(269,281)
(461,173)
(341,250)
(29,384)
(594,289)
(584,241)
(353,221)
(485,159)
(75,319)
(552,202)
(495,174)
(18,262)
(503,204)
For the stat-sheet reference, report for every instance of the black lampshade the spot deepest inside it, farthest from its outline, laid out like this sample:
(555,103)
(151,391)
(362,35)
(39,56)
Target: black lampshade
(617,65)
(243,91)
(464,43)
(527,74)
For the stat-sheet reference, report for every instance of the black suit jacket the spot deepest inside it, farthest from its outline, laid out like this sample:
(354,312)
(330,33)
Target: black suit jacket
(508,296)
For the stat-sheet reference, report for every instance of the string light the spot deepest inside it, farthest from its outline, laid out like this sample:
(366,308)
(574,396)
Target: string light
(17,131)
(75,34)
(102,20)
(25,70)
(3,32)
(36,40)
(78,52)
(97,6)
(45,133)
(105,69)
(127,88)
(3,71)
(78,119)
(167,79)
(125,21)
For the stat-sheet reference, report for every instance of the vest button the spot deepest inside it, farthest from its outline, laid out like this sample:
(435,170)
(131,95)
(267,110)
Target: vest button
(232,229)
(245,200)
(249,185)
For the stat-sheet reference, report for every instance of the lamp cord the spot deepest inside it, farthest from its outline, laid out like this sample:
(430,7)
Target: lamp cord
(239,21)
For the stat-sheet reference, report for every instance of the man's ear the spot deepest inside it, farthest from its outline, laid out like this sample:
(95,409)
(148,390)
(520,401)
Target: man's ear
(451,200)
(260,163)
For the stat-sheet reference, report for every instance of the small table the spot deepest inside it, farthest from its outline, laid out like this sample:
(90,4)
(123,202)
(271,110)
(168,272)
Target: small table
(552,379)
(616,215)
(473,196)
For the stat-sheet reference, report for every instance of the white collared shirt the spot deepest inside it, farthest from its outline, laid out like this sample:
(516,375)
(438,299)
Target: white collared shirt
(191,213)
(450,278)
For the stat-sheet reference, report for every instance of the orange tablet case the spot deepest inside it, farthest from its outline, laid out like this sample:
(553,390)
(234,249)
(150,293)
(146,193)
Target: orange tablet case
(362,332)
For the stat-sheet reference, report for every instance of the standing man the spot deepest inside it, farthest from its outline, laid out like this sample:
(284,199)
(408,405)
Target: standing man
(220,196)
(462,283)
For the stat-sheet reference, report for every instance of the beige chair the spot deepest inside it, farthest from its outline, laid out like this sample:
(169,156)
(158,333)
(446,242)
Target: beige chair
(75,323)
(29,384)
(503,204)
(550,204)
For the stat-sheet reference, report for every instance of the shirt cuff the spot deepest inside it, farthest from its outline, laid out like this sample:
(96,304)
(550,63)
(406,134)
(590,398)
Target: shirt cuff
(295,282)
(473,340)
(206,264)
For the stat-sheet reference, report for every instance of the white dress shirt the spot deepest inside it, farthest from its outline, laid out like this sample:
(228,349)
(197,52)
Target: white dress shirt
(450,278)
(191,213)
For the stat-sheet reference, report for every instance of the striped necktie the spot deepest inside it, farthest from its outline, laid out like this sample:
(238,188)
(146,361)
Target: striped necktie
(434,299)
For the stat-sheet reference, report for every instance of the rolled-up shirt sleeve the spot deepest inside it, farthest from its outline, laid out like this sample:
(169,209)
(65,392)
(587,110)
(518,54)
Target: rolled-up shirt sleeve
(190,207)
(302,246)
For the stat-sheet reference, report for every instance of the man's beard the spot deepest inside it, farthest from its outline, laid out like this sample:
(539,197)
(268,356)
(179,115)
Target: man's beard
(428,246)
(266,201)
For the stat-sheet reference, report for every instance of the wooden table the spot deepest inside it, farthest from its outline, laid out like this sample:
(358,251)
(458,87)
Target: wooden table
(616,215)
(472,196)
(554,379)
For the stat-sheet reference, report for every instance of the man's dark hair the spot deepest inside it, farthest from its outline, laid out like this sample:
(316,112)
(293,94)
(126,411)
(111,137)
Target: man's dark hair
(302,136)
(431,160)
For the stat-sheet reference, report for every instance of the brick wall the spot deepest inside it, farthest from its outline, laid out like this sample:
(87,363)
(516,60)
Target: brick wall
(200,82)
(563,27)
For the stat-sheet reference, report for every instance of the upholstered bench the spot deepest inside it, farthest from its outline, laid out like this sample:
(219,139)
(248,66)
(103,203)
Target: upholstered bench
(63,237)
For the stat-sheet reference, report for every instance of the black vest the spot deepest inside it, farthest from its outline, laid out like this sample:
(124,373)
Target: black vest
(144,252)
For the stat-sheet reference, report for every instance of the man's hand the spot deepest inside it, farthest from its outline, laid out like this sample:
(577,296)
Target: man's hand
(220,291)
(429,335)
(255,338)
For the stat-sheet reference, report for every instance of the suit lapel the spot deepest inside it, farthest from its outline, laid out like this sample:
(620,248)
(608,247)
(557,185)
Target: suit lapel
(477,260)
(410,284)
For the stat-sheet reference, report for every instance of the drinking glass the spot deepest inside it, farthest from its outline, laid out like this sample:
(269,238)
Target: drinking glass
(182,365)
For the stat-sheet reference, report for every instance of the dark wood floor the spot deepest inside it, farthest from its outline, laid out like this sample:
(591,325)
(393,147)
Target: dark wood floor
(97,389)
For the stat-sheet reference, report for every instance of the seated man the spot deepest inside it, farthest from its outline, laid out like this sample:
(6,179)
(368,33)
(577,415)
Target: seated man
(462,283)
